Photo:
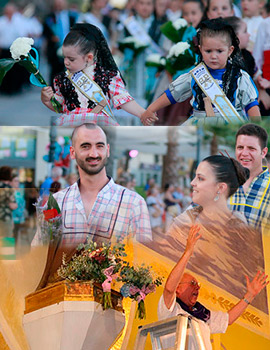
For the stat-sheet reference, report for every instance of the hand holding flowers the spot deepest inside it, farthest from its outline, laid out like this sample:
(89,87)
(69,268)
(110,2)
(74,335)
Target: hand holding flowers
(20,53)
(49,219)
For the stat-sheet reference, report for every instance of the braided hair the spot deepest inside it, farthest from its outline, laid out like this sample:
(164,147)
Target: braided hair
(219,27)
(89,38)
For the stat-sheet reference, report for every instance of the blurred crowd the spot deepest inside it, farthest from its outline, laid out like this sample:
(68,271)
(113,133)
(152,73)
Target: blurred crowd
(18,199)
(49,30)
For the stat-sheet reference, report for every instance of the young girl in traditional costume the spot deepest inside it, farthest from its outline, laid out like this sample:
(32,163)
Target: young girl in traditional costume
(91,83)
(221,89)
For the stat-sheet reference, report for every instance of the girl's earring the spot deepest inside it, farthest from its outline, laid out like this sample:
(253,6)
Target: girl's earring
(217,197)
(230,60)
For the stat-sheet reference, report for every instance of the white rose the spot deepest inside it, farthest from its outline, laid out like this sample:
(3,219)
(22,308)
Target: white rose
(138,43)
(178,49)
(155,58)
(128,39)
(179,23)
(21,47)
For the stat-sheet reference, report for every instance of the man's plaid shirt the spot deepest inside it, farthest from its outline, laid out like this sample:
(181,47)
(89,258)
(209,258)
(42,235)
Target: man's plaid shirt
(117,211)
(255,203)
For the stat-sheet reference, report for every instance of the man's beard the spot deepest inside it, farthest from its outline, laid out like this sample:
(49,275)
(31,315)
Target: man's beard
(91,170)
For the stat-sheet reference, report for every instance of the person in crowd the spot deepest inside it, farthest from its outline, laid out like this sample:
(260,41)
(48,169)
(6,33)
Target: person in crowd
(219,51)
(181,293)
(94,207)
(55,28)
(160,17)
(71,179)
(215,9)
(261,54)
(253,197)
(56,174)
(251,10)
(151,182)
(19,213)
(12,26)
(193,12)
(55,187)
(240,28)
(174,10)
(172,204)
(88,58)
(7,202)
(156,209)
(95,16)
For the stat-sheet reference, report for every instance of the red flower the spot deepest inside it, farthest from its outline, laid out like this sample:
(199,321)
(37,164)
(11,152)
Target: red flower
(50,214)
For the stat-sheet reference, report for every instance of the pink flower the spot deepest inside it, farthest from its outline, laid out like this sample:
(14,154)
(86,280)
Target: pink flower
(133,290)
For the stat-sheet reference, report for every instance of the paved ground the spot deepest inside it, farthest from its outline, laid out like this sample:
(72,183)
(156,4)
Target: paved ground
(25,108)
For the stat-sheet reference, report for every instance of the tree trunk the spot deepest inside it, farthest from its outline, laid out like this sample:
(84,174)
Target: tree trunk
(214,145)
(171,161)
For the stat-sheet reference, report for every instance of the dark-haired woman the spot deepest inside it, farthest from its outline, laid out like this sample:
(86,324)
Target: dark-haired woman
(229,248)
(92,82)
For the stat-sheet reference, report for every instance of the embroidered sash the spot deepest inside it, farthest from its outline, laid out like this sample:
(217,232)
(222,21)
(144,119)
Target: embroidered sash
(136,30)
(91,90)
(212,90)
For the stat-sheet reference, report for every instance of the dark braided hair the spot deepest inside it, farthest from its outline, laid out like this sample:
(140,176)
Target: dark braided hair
(89,38)
(219,27)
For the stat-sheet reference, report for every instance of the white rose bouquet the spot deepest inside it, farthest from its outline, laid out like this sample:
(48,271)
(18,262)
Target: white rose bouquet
(133,44)
(175,30)
(156,60)
(180,57)
(20,53)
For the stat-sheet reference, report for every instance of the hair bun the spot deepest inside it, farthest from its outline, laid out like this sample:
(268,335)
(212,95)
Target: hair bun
(242,173)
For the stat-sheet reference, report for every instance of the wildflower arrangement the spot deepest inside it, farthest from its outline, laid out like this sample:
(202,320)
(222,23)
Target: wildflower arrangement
(133,44)
(20,53)
(95,264)
(49,219)
(138,282)
(181,55)
(104,264)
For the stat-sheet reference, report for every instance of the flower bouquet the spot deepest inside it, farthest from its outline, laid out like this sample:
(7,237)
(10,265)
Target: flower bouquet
(49,219)
(133,44)
(95,264)
(20,52)
(138,282)
(156,60)
(181,55)
(101,265)
(175,30)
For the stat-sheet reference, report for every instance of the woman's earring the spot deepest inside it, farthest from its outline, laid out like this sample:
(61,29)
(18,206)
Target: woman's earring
(217,197)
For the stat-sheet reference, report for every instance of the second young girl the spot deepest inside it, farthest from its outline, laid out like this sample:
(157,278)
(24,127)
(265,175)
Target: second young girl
(219,51)
(92,82)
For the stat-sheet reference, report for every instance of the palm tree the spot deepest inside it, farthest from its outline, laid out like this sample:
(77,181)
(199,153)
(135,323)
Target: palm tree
(171,161)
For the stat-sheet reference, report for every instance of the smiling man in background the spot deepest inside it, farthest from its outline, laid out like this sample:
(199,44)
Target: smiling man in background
(253,198)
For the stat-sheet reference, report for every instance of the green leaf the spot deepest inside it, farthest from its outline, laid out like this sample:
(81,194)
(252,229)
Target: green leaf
(5,65)
(52,203)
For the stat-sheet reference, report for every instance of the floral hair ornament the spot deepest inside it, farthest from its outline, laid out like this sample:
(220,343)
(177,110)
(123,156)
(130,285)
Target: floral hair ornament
(20,53)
